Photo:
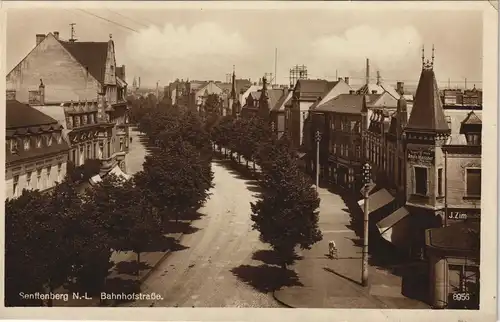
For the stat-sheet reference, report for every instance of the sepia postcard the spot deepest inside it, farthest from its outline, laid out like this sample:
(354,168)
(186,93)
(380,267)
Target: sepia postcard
(250,161)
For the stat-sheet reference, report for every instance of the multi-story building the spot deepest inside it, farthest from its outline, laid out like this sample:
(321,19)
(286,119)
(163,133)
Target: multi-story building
(79,85)
(36,150)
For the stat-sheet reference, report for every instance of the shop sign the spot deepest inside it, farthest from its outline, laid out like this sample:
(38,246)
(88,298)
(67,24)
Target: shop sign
(421,156)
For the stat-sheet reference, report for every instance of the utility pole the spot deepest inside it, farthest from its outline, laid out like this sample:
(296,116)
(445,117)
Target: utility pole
(366,191)
(318,139)
(157,93)
(72,39)
(275,64)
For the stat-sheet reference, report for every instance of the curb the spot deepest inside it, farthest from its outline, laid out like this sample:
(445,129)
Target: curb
(281,302)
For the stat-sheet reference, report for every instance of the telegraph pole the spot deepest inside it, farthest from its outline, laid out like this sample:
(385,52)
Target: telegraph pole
(366,212)
(318,139)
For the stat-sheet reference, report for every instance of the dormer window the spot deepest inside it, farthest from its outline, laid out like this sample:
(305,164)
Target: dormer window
(26,144)
(38,142)
(58,138)
(473,138)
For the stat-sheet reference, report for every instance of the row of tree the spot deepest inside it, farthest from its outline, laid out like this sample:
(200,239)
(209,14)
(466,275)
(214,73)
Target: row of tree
(286,213)
(64,237)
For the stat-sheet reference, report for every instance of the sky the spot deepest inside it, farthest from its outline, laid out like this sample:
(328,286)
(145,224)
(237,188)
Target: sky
(165,44)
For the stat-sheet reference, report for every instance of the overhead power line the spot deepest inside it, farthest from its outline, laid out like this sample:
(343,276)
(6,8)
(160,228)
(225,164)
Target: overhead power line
(133,20)
(108,20)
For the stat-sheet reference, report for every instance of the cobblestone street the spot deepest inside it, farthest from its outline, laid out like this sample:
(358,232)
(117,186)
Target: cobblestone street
(137,152)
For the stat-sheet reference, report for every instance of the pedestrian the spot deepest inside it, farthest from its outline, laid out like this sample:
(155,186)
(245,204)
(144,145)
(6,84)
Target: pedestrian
(130,139)
(332,249)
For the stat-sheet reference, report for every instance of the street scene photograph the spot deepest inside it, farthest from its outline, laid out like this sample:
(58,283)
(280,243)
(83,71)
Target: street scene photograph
(184,158)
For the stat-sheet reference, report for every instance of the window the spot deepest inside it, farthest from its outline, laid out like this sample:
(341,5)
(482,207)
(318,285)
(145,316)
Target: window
(420,181)
(473,139)
(440,182)
(48,176)
(101,149)
(121,144)
(26,144)
(49,140)
(473,182)
(28,179)
(39,179)
(73,155)
(38,142)
(59,138)
(95,150)
(89,156)
(109,149)
(13,146)
(59,169)
(15,185)
(335,148)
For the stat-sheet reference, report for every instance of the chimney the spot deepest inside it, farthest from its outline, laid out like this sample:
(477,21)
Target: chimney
(351,91)
(400,88)
(39,38)
(374,92)
(346,80)
(56,34)
(340,78)
(367,71)
(123,73)
(11,94)
(41,89)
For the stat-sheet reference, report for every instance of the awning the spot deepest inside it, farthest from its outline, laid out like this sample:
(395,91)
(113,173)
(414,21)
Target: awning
(119,173)
(395,227)
(377,200)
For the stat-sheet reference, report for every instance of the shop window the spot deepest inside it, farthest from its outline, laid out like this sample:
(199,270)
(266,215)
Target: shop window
(473,182)
(420,176)
(48,176)
(39,184)
(59,170)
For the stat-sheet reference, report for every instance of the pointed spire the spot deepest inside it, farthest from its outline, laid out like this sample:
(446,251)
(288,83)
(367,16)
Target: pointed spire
(423,56)
(427,113)
(426,64)
(432,54)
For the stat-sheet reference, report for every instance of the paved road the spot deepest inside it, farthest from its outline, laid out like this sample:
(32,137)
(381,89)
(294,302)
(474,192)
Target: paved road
(136,154)
(201,275)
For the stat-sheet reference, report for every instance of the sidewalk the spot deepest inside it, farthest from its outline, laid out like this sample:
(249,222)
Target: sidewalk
(336,283)
(120,278)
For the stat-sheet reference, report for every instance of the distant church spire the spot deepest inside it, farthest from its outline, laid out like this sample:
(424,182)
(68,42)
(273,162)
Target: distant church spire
(233,87)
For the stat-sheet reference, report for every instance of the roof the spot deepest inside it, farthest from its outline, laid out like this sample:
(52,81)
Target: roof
(280,105)
(346,103)
(427,112)
(459,236)
(369,89)
(120,72)
(313,87)
(274,97)
(389,89)
(57,113)
(472,118)
(19,115)
(91,55)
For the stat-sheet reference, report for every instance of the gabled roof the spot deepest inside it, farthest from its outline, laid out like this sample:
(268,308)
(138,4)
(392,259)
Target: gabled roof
(285,98)
(91,55)
(369,89)
(427,113)
(274,97)
(19,115)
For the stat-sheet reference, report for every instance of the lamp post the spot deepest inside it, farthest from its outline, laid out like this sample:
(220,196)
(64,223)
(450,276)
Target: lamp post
(317,136)
(366,191)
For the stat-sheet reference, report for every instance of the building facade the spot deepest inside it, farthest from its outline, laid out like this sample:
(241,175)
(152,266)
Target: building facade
(36,151)
(80,85)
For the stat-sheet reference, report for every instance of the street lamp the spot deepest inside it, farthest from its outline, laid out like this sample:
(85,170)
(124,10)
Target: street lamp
(317,136)
(366,190)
